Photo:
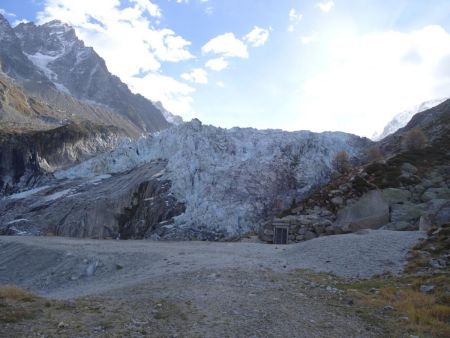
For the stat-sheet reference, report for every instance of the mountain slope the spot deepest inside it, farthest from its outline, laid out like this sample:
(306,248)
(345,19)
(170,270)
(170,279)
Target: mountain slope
(407,189)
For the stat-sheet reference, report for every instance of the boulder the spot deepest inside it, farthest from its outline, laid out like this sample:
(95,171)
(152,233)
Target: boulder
(394,196)
(408,168)
(443,215)
(399,226)
(338,200)
(436,193)
(407,212)
(424,223)
(370,212)
(309,235)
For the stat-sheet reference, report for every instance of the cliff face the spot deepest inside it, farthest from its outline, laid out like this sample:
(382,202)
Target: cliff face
(134,204)
(28,159)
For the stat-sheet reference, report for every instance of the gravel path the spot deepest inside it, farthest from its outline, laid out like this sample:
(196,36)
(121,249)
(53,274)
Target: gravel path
(362,254)
(65,268)
(197,289)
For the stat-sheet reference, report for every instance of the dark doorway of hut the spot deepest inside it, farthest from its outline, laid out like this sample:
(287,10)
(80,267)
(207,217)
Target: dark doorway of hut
(280,235)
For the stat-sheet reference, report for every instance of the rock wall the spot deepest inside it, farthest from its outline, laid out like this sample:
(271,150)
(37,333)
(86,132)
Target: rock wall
(132,205)
(28,159)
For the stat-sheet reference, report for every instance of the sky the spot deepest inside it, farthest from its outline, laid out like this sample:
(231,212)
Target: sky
(320,65)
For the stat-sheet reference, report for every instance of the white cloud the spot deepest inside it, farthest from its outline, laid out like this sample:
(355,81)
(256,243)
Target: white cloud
(307,39)
(209,10)
(5,13)
(217,64)
(294,18)
(220,84)
(326,6)
(174,95)
(257,37)
(294,15)
(18,22)
(227,45)
(197,75)
(370,78)
(147,5)
(126,37)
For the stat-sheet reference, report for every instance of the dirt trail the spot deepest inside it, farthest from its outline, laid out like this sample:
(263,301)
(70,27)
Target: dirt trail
(209,289)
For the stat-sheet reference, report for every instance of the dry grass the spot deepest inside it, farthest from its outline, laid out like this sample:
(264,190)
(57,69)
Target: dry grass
(415,312)
(11,292)
(15,304)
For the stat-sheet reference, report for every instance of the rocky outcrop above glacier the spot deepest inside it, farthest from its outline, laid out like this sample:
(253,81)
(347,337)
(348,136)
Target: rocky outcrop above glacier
(134,204)
(28,159)
(228,180)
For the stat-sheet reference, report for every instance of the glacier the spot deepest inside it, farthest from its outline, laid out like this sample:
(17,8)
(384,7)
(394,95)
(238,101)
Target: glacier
(230,180)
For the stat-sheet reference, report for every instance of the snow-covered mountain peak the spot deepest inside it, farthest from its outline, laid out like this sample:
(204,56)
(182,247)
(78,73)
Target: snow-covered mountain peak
(171,118)
(53,38)
(400,120)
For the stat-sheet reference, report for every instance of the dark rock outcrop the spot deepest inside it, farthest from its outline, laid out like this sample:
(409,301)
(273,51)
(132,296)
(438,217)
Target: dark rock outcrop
(131,205)
(28,159)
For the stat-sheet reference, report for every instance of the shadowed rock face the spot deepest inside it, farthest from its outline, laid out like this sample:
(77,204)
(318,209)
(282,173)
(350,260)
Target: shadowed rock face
(28,159)
(131,205)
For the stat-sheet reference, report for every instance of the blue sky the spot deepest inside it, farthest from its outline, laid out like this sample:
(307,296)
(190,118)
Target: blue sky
(345,65)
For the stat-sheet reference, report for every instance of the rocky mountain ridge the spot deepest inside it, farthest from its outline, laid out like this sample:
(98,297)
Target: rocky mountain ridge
(50,62)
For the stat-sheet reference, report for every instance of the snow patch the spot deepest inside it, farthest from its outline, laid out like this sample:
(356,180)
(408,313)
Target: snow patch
(42,61)
(18,221)
(27,193)
(57,195)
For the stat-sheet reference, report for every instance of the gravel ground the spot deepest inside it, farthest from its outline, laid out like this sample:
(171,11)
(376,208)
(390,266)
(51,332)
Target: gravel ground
(65,268)
(197,289)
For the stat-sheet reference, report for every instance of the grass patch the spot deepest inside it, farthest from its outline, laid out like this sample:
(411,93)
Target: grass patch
(414,312)
(168,311)
(15,304)
(393,303)
(12,292)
